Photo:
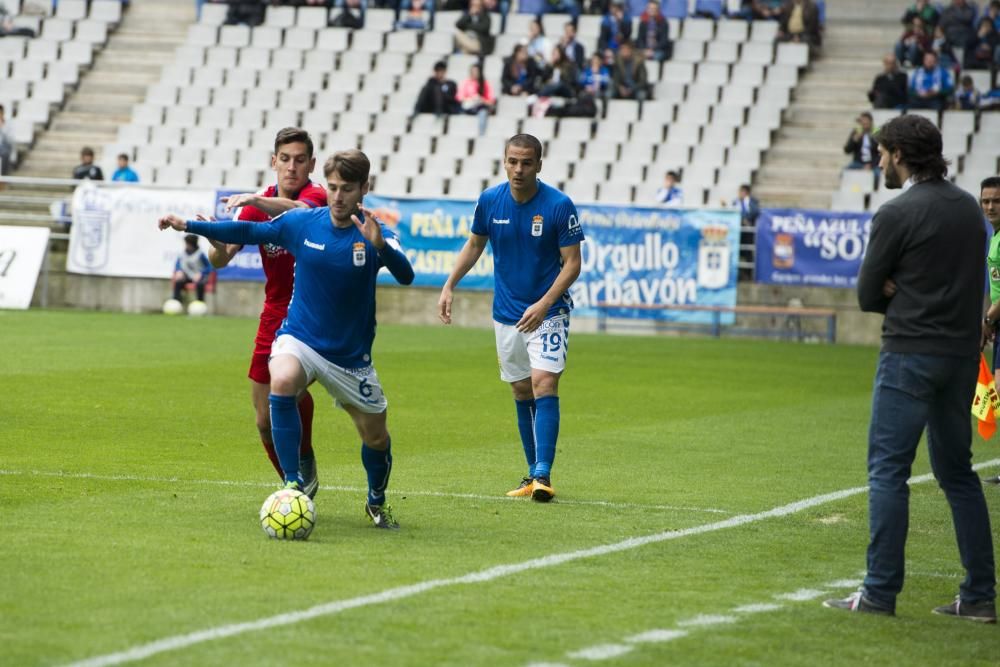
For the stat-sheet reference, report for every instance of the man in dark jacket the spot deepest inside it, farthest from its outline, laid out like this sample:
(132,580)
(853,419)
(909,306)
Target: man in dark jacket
(630,79)
(889,88)
(957,22)
(473,30)
(438,94)
(654,34)
(923,268)
(861,144)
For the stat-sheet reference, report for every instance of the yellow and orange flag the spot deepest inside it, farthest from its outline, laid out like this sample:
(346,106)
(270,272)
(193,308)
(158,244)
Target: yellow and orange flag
(986,402)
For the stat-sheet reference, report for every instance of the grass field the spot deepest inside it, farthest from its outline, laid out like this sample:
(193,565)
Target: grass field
(131,476)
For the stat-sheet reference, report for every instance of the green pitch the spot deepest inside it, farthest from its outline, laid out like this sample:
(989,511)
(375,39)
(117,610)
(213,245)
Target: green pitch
(132,476)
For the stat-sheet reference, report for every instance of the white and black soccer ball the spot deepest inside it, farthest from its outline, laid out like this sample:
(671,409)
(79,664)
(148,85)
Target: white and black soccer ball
(288,514)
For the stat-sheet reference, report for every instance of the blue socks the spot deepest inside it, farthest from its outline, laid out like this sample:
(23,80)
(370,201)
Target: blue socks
(546,434)
(286,431)
(378,465)
(526,427)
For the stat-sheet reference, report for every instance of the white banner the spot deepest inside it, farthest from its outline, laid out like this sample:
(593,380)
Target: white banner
(21,252)
(114,230)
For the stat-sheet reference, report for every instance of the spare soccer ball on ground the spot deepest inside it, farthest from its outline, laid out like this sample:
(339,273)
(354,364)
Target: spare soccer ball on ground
(288,514)
(197,308)
(172,307)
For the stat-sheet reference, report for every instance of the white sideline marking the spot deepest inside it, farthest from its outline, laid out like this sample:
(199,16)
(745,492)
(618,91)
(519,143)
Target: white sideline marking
(655,636)
(800,595)
(177,642)
(757,608)
(600,652)
(705,619)
(349,489)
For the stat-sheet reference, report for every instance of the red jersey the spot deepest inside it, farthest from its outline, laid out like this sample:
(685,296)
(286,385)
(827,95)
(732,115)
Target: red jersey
(279,264)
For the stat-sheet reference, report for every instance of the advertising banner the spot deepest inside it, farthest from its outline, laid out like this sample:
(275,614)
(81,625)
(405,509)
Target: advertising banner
(814,248)
(114,230)
(22,250)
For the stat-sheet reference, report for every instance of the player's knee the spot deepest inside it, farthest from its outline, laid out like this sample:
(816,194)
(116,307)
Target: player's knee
(523,390)
(282,384)
(377,438)
(547,386)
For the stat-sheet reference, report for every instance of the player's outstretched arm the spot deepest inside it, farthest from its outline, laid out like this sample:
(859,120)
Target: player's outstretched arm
(241,233)
(389,254)
(467,258)
(536,312)
(272,206)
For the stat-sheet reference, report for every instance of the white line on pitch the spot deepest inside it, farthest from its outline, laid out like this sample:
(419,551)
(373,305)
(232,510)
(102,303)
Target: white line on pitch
(178,642)
(705,619)
(348,489)
(757,608)
(800,595)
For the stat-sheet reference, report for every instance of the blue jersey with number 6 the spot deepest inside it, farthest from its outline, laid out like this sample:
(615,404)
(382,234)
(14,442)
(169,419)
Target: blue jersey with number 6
(525,239)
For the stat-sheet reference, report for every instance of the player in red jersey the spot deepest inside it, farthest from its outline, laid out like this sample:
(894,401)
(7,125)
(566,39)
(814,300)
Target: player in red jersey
(292,163)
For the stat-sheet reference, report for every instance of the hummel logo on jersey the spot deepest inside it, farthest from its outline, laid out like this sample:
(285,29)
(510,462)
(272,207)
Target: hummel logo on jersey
(501,222)
(315,246)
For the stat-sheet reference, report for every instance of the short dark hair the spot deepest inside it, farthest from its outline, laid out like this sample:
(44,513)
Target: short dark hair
(989,182)
(293,135)
(123,155)
(87,151)
(351,165)
(440,65)
(745,186)
(191,238)
(919,142)
(524,141)
(674,175)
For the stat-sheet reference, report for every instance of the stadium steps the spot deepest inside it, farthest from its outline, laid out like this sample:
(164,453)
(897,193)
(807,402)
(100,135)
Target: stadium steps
(803,165)
(132,59)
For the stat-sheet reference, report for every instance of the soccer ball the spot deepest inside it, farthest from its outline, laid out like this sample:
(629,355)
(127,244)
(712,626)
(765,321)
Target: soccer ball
(172,307)
(197,308)
(288,514)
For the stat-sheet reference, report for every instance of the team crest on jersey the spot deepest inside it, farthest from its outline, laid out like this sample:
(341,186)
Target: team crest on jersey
(994,273)
(536,225)
(359,254)
(272,250)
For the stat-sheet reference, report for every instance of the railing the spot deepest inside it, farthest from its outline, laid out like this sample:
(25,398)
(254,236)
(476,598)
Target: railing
(792,326)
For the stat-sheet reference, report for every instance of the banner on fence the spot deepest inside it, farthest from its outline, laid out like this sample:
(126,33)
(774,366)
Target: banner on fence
(22,250)
(114,230)
(816,248)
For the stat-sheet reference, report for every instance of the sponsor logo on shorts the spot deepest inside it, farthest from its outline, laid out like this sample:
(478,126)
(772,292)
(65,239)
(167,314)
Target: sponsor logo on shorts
(548,358)
(315,246)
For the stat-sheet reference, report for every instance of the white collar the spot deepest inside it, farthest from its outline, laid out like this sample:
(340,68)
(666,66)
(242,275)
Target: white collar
(908,184)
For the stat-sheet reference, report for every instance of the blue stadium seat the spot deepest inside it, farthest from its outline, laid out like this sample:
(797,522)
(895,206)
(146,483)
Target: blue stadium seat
(713,7)
(672,9)
(533,7)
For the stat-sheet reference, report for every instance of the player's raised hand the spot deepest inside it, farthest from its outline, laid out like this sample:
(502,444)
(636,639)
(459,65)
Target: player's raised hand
(444,305)
(370,228)
(173,221)
(533,317)
(238,201)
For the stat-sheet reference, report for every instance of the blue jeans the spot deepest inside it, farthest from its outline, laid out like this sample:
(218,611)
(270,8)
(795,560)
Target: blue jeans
(913,391)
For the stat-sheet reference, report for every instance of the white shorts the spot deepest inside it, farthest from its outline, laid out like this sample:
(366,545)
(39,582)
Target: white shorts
(357,387)
(544,348)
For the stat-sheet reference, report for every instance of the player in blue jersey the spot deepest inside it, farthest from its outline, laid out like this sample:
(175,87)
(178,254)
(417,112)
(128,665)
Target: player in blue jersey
(535,236)
(328,333)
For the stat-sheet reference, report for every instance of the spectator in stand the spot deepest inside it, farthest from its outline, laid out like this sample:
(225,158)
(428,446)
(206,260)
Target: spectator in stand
(930,85)
(914,43)
(520,73)
(967,98)
(571,46)
(861,144)
(571,7)
(799,21)
(958,22)
(749,212)
(889,88)
(7,27)
(560,77)
(124,172)
(247,12)
(766,9)
(473,34)
(630,78)
(596,79)
(438,96)
(539,46)
(87,168)
(654,34)
(943,48)
(476,96)
(993,11)
(984,50)
(671,194)
(926,11)
(6,145)
(352,15)
(415,17)
(616,27)
(192,268)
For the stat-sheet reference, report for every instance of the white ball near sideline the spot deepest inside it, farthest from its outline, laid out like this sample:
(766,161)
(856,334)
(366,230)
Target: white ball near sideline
(197,308)
(172,307)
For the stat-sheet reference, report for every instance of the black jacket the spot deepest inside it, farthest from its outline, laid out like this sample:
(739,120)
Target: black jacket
(437,97)
(931,241)
(888,90)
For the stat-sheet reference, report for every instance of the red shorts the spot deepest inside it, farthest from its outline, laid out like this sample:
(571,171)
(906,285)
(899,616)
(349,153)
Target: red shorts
(270,322)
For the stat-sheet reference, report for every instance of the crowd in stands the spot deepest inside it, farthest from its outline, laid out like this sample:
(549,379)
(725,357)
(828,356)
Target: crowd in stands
(939,43)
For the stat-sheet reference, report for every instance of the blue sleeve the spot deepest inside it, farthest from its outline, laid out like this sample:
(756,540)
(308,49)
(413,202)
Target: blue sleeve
(177,264)
(243,233)
(206,266)
(479,224)
(393,258)
(568,224)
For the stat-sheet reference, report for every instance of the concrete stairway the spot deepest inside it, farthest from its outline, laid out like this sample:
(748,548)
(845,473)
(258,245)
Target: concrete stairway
(131,60)
(802,167)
